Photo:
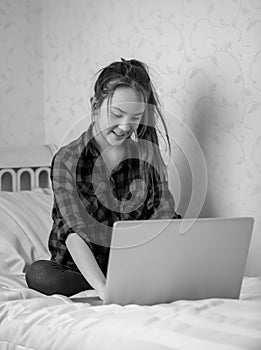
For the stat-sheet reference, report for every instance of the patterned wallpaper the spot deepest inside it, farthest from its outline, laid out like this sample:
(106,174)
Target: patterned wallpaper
(205,59)
(21,73)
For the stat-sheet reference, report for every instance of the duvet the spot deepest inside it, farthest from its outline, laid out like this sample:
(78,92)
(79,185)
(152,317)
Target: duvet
(31,320)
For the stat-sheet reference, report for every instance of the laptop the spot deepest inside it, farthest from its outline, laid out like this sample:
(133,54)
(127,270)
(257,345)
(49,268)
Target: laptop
(161,261)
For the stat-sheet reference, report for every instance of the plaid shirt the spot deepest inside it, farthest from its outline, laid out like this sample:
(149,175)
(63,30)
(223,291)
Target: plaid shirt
(88,199)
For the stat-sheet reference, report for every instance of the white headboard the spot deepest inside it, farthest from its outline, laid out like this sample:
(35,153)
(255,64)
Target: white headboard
(25,168)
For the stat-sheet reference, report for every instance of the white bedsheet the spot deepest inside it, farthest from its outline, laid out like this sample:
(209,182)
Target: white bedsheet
(30,320)
(25,222)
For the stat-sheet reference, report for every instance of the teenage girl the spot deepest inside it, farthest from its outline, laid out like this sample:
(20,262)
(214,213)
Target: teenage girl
(113,171)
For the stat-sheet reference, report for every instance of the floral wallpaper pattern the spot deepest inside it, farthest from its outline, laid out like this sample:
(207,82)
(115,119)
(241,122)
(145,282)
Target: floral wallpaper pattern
(21,73)
(204,58)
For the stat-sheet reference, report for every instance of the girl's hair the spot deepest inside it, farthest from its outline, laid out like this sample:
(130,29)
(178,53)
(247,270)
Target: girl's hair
(134,74)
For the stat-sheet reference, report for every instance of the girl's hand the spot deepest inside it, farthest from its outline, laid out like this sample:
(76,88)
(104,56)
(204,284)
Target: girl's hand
(101,291)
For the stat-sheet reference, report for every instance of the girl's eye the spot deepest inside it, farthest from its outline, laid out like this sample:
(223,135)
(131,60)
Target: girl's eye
(116,115)
(135,120)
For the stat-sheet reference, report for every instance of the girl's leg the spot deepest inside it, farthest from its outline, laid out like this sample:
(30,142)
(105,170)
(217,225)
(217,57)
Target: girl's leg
(49,277)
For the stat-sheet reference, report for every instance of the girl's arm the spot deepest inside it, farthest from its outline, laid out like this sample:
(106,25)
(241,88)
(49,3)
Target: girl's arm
(73,229)
(86,263)
(161,199)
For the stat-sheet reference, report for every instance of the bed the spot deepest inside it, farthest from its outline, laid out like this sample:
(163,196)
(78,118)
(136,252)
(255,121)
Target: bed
(31,320)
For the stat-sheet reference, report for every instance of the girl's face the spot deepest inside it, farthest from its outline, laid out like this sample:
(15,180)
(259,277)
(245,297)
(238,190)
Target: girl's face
(125,113)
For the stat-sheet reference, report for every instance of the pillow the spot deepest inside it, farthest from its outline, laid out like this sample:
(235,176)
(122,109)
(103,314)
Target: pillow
(25,223)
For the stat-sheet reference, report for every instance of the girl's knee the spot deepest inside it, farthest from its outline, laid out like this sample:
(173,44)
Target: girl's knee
(36,272)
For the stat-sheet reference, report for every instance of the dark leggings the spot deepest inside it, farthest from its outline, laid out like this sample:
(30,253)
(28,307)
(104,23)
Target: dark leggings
(50,277)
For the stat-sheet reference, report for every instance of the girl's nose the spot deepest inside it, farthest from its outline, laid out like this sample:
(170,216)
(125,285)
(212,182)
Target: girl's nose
(125,127)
